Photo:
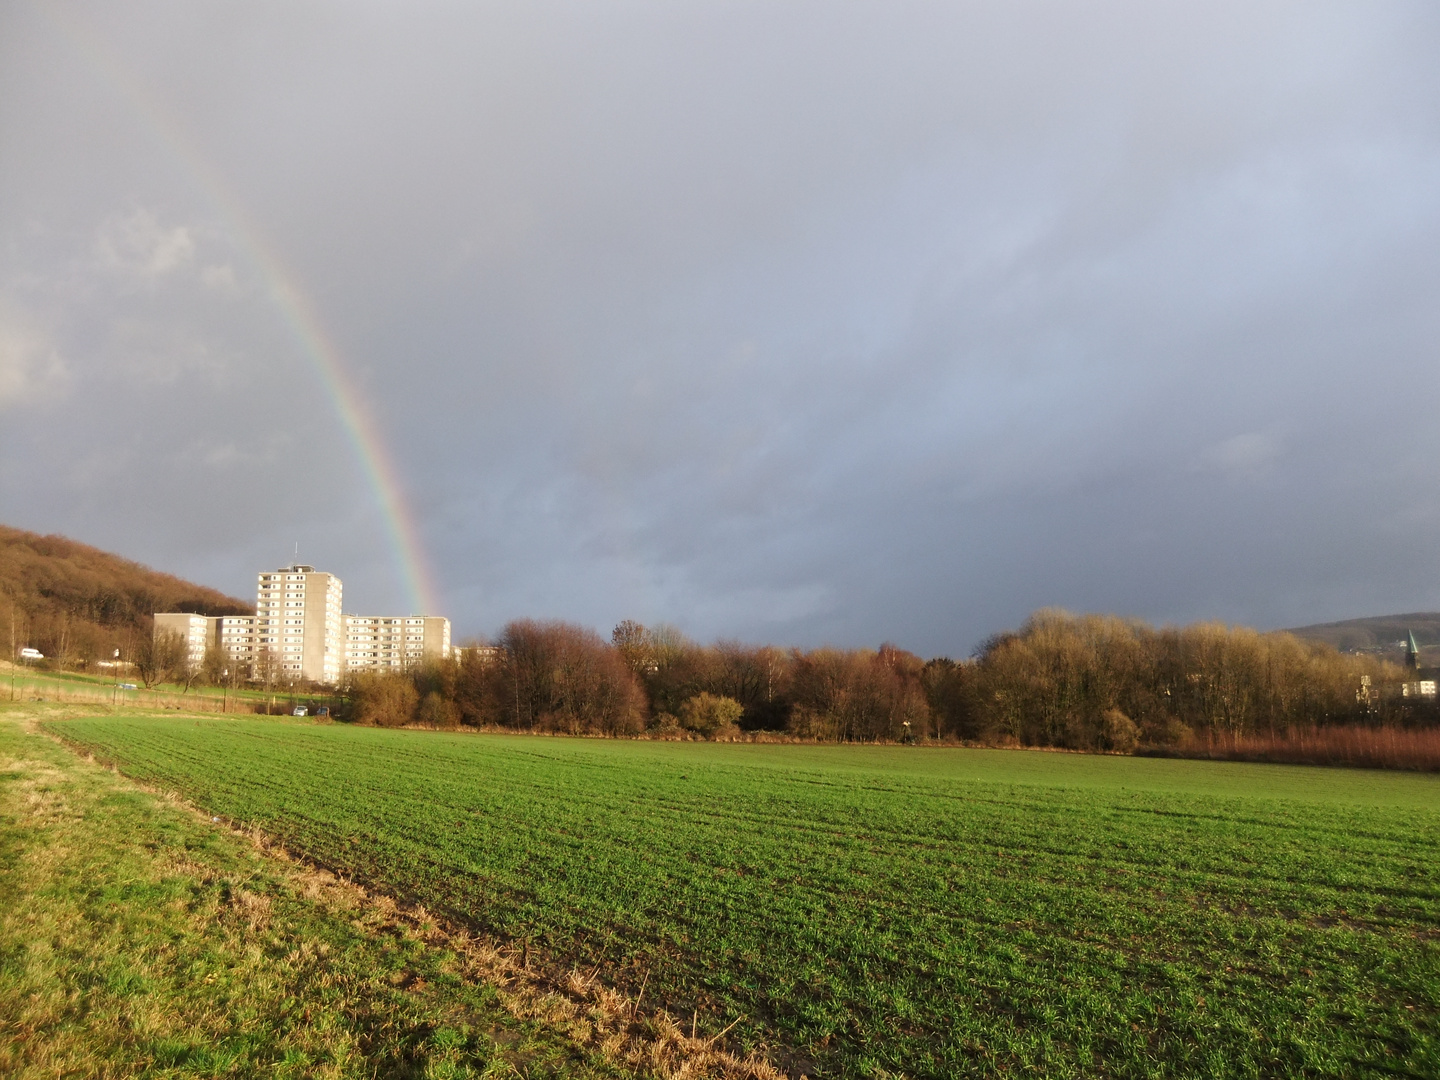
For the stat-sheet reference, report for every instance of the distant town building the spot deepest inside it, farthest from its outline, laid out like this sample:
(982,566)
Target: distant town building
(1422,681)
(485,654)
(299,631)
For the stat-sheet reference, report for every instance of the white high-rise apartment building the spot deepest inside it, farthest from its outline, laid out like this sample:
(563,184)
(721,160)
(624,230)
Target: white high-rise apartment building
(298,624)
(298,632)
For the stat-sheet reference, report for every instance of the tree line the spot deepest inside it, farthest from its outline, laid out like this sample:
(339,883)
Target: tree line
(1085,682)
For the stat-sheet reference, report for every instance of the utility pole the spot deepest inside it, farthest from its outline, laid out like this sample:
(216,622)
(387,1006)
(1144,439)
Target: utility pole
(115,694)
(12,653)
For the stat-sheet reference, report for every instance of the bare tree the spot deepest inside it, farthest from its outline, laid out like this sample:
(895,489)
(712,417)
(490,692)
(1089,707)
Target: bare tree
(159,657)
(566,678)
(191,669)
(216,665)
(631,640)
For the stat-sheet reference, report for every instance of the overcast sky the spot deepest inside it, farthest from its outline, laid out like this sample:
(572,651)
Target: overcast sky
(802,323)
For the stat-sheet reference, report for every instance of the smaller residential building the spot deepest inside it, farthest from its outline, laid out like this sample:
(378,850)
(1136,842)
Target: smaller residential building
(394,642)
(235,635)
(484,654)
(195,630)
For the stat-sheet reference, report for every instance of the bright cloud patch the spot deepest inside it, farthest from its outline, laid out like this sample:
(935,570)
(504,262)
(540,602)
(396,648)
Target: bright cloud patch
(140,245)
(30,365)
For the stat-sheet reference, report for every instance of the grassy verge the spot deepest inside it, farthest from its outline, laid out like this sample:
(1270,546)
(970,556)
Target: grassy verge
(886,911)
(27,684)
(137,939)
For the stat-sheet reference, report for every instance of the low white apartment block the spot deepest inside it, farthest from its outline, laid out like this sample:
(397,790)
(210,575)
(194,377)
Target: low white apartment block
(235,635)
(194,630)
(394,642)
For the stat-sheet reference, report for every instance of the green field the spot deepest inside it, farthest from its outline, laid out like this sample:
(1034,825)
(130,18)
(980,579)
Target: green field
(887,911)
(139,940)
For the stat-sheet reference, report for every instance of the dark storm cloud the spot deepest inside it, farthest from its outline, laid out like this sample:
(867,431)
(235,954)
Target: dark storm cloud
(793,322)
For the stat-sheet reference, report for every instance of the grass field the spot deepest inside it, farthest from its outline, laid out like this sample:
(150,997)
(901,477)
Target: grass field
(888,911)
(138,939)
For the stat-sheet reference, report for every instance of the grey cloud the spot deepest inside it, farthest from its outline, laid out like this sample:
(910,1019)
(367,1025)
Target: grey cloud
(798,322)
(138,244)
(1244,454)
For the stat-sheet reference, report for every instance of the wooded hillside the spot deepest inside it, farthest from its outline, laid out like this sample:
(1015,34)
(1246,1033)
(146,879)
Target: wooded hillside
(1383,634)
(76,602)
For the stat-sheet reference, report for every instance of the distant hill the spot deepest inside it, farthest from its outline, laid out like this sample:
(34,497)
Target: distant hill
(1382,634)
(78,602)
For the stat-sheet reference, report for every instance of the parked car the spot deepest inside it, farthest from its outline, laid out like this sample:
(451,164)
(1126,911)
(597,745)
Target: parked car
(128,686)
(323,710)
(300,710)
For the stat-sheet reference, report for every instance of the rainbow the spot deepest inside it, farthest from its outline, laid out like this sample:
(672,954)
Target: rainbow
(359,425)
(316,345)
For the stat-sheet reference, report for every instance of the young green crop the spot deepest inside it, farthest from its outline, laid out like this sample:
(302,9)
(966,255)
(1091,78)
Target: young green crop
(136,939)
(881,911)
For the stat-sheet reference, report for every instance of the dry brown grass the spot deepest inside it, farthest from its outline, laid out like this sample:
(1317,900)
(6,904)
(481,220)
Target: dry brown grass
(579,1005)
(1356,747)
(41,691)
